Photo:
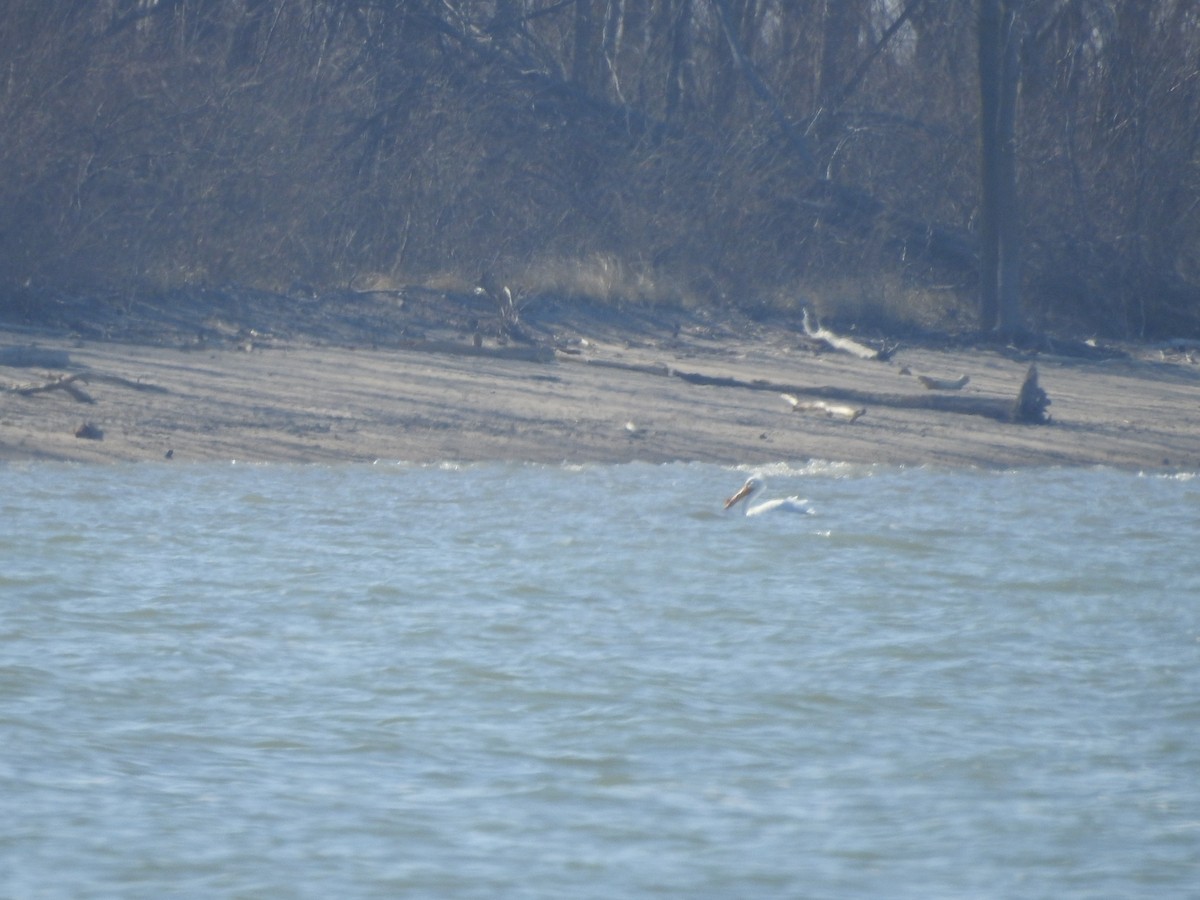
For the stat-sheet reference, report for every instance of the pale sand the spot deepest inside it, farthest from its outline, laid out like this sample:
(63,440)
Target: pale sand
(295,400)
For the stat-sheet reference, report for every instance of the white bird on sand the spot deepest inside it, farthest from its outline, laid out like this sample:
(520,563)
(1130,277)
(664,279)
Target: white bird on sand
(754,484)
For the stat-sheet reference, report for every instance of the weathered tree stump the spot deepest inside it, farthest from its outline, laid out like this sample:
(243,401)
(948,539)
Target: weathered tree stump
(1030,405)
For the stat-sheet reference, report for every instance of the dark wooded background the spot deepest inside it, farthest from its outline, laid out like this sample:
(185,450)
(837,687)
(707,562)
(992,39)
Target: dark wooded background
(754,153)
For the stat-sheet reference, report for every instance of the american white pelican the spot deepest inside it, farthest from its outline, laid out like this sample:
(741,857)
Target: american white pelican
(754,484)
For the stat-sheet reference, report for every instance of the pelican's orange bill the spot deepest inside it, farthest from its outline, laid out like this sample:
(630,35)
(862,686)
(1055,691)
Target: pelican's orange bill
(738,496)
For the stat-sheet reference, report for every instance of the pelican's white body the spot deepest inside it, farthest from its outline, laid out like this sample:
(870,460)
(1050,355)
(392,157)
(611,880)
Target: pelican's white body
(753,486)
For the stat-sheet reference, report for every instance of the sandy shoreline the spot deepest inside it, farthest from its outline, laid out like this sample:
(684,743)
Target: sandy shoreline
(599,398)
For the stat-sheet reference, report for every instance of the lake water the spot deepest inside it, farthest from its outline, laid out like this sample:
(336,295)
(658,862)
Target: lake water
(545,682)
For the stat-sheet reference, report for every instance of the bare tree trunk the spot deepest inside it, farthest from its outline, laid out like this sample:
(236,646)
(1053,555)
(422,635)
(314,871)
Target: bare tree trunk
(794,136)
(583,57)
(614,32)
(999,80)
(1009,275)
(679,75)
(840,21)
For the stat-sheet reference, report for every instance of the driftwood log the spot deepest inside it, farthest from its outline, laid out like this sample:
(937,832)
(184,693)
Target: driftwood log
(839,402)
(70,384)
(845,344)
(830,410)
(1028,408)
(944,384)
(66,383)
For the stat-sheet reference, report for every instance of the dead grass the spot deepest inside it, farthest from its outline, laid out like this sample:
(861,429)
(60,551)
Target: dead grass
(602,278)
(883,304)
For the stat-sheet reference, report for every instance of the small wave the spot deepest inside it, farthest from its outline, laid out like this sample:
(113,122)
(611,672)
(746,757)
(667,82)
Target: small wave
(812,468)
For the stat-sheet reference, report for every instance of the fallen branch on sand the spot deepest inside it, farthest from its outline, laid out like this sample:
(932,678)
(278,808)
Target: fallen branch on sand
(57,383)
(832,410)
(845,344)
(943,384)
(70,384)
(1028,408)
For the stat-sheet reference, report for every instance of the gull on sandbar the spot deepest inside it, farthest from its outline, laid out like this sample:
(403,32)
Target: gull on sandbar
(754,485)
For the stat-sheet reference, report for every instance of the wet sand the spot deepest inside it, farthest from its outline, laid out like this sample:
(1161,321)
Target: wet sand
(599,397)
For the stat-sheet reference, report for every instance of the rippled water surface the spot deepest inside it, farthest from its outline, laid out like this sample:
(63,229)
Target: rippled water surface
(512,681)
